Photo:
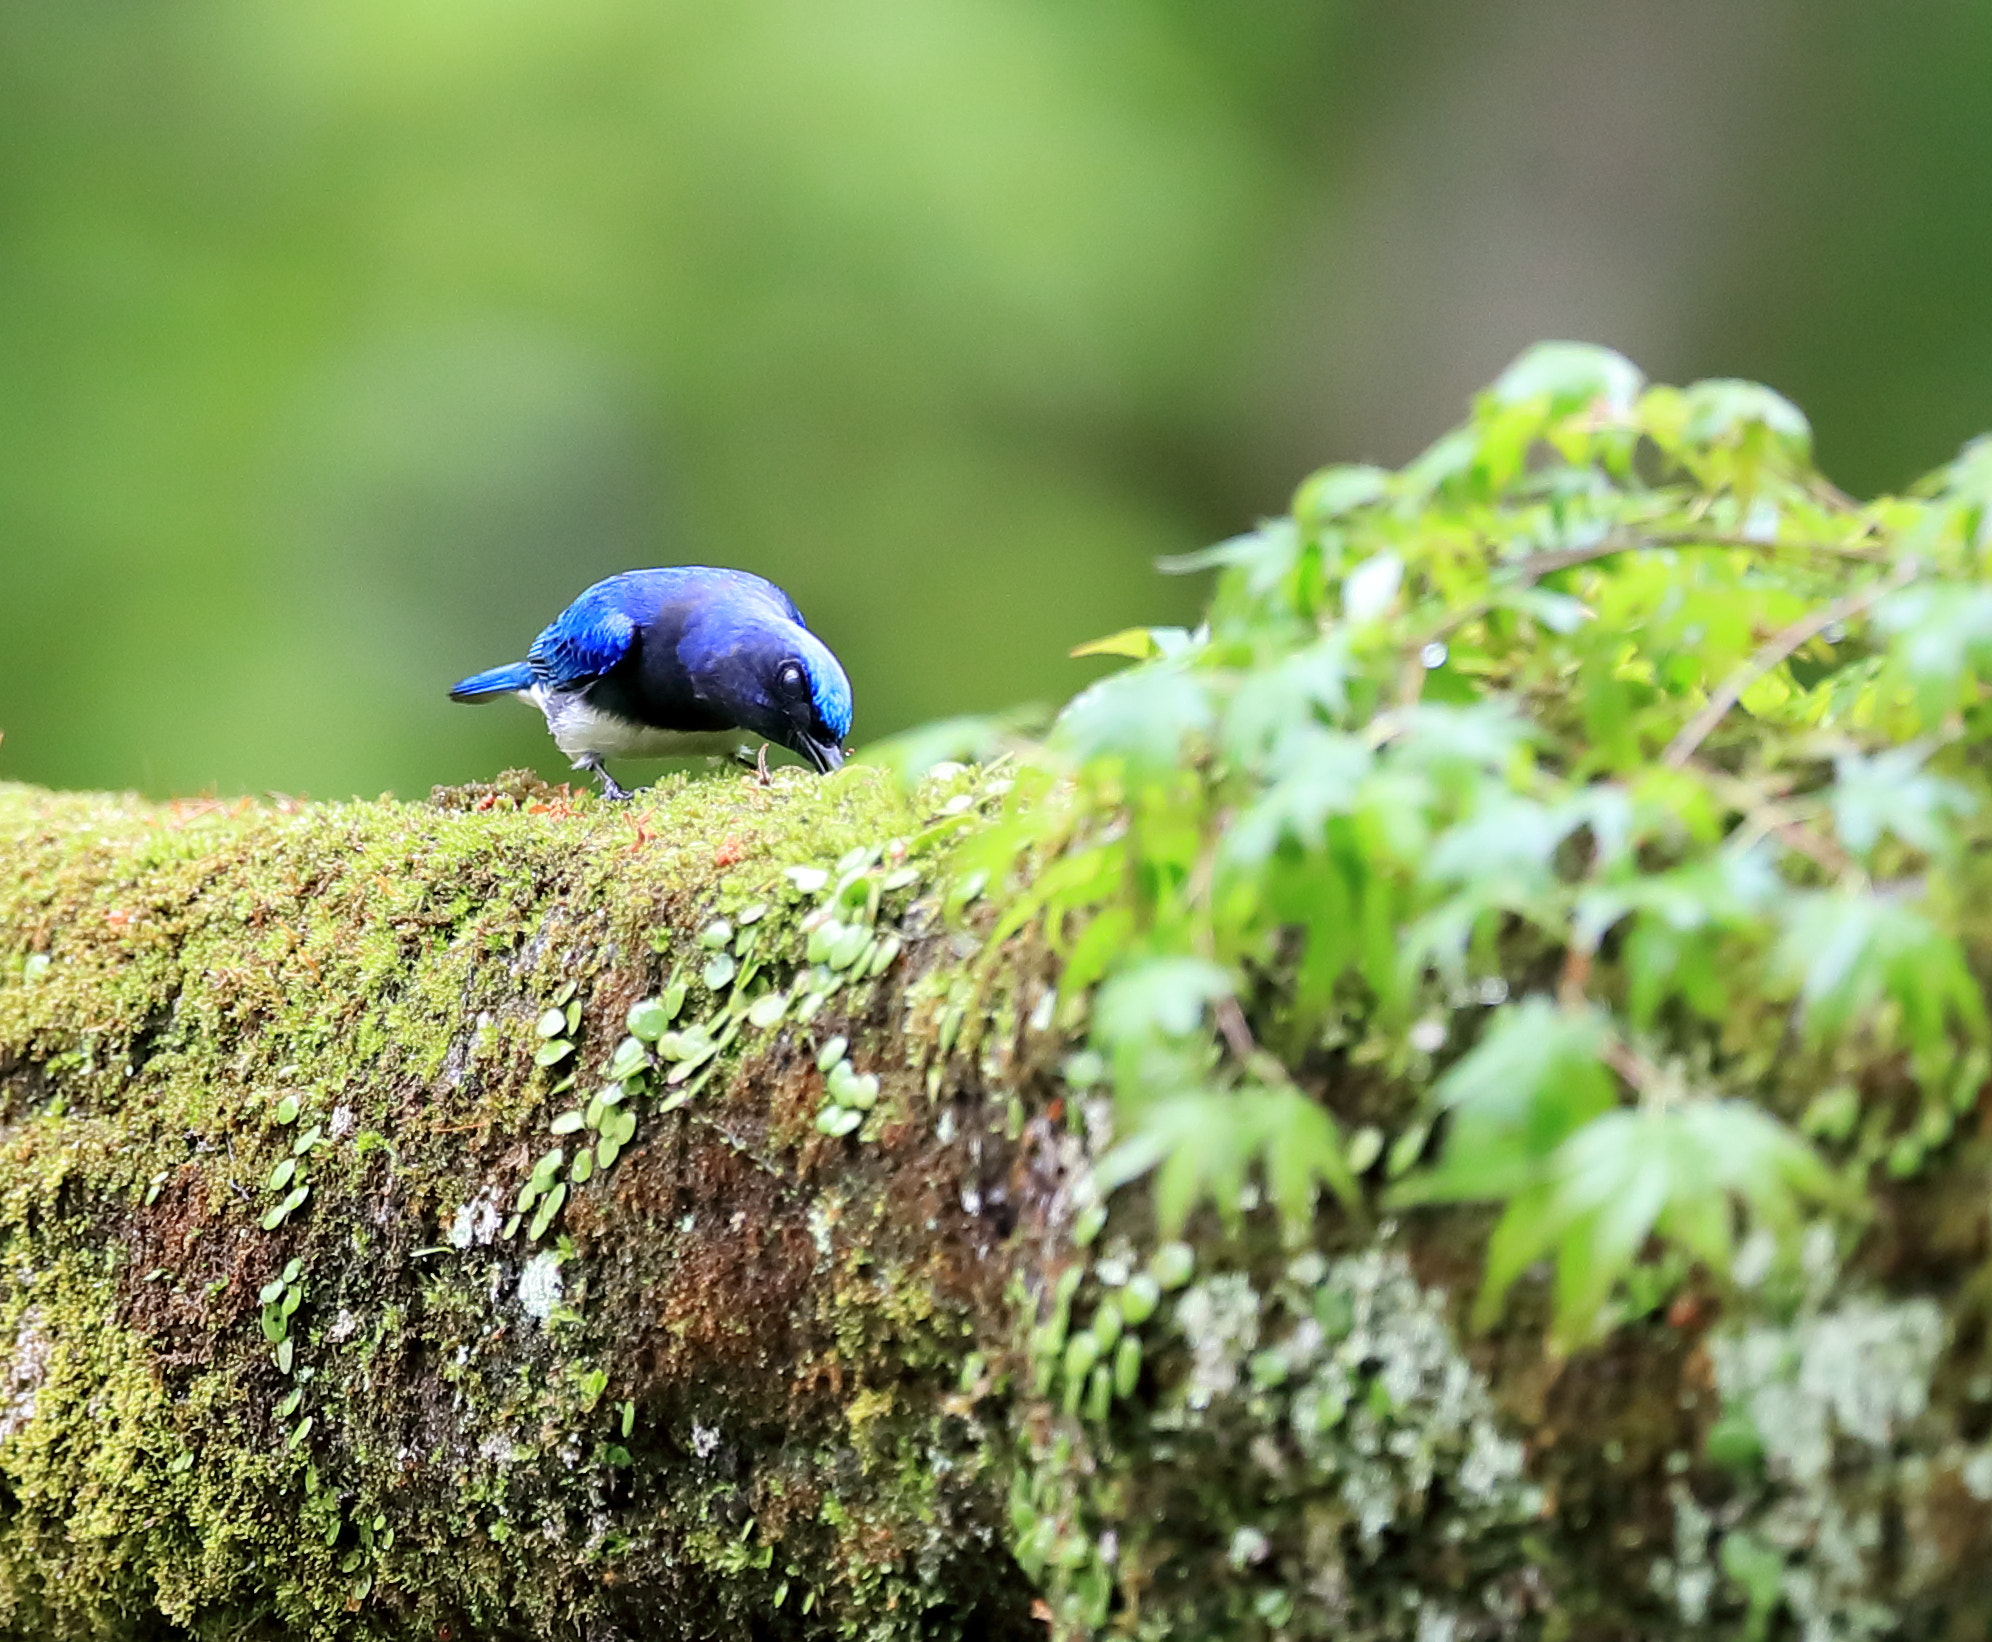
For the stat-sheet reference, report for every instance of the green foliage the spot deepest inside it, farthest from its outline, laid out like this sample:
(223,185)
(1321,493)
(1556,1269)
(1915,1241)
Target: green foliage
(1593,779)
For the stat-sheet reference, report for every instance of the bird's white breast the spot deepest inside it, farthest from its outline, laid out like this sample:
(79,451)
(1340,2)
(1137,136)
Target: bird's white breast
(579,729)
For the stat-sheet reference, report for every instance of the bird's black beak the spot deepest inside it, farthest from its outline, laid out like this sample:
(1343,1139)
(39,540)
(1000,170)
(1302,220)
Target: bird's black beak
(824,754)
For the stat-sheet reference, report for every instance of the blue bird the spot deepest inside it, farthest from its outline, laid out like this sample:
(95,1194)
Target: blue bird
(671,663)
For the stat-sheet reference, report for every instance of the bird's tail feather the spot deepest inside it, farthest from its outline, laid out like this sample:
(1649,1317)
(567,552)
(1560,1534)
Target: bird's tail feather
(499,681)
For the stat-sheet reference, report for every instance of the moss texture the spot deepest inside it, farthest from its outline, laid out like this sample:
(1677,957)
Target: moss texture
(757,1380)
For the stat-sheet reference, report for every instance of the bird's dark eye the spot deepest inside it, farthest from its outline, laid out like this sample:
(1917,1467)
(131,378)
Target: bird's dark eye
(791,677)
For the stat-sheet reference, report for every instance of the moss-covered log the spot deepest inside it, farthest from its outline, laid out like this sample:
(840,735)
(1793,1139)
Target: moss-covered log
(521,1216)
(721,1394)
(754,1379)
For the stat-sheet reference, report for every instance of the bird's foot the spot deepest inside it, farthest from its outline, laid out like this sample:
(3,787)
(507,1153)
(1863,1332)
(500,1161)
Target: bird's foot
(612,789)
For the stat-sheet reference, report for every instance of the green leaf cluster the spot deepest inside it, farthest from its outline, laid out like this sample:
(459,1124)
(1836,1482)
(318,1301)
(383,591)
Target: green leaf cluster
(1603,782)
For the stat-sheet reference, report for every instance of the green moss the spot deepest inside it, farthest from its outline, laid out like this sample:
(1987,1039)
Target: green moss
(432,1433)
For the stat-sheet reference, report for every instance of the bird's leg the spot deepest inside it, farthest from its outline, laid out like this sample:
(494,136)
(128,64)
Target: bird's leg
(612,789)
(761,765)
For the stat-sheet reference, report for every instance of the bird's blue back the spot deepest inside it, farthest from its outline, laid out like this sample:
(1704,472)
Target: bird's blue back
(713,617)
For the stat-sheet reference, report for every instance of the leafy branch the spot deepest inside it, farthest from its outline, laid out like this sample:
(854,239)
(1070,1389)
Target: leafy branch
(1440,733)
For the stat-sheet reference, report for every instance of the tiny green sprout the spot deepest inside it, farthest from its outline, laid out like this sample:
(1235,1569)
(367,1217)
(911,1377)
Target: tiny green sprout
(838,1121)
(1173,1264)
(628,1419)
(311,1138)
(286,1354)
(832,1052)
(565,1123)
(845,948)
(303,1430)
(548,1164)
(566,993)
(510,1229)
(817,948)
(1089,1224)
(573,1017)
(1099,1393)
(582,1169)
(1107,1324)
(274,1325)
(283,1211)
(591,1115)
(848,1088)
(591,1383)
(181,1463)
(811,1004)
(973,1367)
(649,1019)
(1082,1351)
(620,1125)
(899,878)
(293,1298)
(716,934)
(1365,1147)
(1140,1298)
(287,1109)
(543,1215)
(280,1176)
(1406,1150)
(552,1024)
(751,914)
(270,1292)
(35,966)
(1127,1365)
(154,1186)
(607,1150)
(719,971)
(529,1194)
(694,1044)
(293,1269)
(553,1052)
(630,1058)
(884,953)
(289,1405)
(768,1009)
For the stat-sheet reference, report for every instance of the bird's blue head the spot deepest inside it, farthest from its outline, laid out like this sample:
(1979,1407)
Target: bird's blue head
(782,682)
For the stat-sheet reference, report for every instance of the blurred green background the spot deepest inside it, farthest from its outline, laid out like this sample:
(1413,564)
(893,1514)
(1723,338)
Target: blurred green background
(343,341)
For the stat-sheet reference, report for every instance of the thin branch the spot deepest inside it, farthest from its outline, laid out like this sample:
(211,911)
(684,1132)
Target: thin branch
(1237,1034)
(1537,565)
(1531,569)
(1800,632)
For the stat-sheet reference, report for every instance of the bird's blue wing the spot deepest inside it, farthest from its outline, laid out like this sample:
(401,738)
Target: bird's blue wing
(583,642)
